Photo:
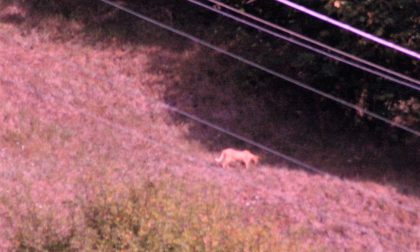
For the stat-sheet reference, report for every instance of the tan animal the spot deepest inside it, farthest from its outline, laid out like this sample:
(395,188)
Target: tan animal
(230,156)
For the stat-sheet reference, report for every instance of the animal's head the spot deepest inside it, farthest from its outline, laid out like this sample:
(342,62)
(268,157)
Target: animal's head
(255,159)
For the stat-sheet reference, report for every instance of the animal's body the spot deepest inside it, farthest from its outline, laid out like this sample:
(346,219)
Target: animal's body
(229,156)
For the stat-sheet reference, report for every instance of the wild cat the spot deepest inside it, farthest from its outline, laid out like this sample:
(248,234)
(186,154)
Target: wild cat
(230,155)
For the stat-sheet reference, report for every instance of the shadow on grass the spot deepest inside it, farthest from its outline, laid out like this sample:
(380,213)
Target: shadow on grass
(234,96)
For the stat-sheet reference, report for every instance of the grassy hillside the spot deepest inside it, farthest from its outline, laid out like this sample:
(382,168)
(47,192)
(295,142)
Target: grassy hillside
(89,160)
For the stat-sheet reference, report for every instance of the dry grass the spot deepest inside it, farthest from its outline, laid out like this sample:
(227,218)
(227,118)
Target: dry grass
(72,182)
(153,216)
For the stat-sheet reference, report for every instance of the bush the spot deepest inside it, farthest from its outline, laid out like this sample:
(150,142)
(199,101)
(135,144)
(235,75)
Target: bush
(156,216)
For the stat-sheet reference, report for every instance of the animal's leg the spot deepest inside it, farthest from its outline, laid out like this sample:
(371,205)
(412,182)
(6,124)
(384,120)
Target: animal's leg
(224,165)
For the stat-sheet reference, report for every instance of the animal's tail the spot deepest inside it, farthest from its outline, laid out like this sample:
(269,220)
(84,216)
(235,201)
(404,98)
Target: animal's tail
(219,159)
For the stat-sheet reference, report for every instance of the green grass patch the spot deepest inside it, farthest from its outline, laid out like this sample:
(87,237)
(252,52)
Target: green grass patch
(154,216)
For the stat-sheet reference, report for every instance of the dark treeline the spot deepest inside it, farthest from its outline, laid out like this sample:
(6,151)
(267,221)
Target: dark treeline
(397,21)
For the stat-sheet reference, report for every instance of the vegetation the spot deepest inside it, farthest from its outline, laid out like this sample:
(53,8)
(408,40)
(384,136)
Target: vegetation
(393,20)
(155,216)
(55,191)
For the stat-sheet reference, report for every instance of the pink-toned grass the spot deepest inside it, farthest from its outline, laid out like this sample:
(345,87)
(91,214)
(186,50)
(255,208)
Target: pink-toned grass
(63,172)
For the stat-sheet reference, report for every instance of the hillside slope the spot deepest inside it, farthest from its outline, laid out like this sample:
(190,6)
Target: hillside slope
(70,108)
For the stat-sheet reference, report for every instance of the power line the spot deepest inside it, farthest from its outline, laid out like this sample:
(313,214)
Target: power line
(263,68)
(290,159)
(234,135)
(351,29)
(192,159)
(380,70)
(245,61)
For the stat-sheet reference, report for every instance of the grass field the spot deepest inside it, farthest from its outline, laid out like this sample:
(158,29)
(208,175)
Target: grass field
(88,162)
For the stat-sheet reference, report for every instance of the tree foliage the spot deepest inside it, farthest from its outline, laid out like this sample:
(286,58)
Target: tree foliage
(397,21)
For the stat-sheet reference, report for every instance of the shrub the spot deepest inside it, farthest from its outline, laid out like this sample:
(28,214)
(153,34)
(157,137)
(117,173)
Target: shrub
(155,216)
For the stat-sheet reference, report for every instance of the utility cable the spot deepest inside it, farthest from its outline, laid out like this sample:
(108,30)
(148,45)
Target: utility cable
(263,68)
(351,29)
(247,140)
(136,134)
(378,70)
